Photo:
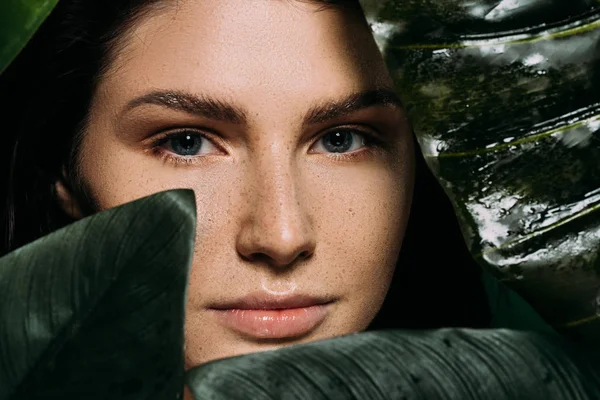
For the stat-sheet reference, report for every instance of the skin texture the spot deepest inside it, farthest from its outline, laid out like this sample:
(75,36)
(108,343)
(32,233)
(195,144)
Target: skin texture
(277,212)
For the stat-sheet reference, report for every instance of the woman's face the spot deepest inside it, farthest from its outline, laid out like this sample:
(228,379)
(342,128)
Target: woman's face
(281,119)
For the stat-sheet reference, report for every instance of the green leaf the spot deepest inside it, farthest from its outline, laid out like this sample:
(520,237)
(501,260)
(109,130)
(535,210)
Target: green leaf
(505,102)
(96,310)
(19,19)
(445,364)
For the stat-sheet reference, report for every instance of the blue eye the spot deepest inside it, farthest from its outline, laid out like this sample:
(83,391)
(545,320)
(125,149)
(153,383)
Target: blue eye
(341,141)
(185,144)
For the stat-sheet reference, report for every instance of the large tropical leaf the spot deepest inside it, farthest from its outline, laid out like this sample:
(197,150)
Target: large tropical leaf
(19,19)
(445,364)
(504,96)
(96,310)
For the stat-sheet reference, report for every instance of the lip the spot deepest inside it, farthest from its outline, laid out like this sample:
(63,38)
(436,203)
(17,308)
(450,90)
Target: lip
(261,316)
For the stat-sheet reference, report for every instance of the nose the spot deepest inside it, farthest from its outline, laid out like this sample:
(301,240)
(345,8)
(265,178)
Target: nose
(276,229)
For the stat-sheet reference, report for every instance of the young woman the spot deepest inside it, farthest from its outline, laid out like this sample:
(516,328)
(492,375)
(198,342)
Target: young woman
(281,116)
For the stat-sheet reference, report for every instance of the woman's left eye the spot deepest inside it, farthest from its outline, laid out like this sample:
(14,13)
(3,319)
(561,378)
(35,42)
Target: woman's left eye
(340,141)
(188,144)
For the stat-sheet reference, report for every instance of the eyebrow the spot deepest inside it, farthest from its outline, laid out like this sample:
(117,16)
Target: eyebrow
(202,106)
(222,111)
(336,109)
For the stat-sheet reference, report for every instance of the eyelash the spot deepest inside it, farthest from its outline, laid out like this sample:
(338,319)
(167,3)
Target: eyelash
(166,156)
(371,144)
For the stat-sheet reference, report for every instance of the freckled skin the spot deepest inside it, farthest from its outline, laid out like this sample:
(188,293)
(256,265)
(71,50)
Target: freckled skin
(271,213)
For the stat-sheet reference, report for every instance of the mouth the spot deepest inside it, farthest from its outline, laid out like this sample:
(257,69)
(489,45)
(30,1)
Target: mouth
(268,317)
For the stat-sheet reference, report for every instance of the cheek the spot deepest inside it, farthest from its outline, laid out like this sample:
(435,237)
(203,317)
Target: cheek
(362,217)
(116,175)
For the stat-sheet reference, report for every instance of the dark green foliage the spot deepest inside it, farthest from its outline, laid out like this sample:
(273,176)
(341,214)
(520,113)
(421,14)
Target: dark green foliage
(96,310)
(19,19)
(456,364)
(505,101)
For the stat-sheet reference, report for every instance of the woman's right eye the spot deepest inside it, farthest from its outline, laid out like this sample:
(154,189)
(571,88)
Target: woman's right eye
(187,144)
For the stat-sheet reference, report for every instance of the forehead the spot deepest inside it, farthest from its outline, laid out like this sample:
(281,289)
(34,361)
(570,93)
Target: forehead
(240,48)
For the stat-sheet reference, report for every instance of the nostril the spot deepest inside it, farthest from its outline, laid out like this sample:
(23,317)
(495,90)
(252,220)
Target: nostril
(279,260)
(258,257)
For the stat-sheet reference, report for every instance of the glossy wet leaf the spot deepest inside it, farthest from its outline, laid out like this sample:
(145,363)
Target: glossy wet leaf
(504,96)
(445,364)
(96,310)
(19,19)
